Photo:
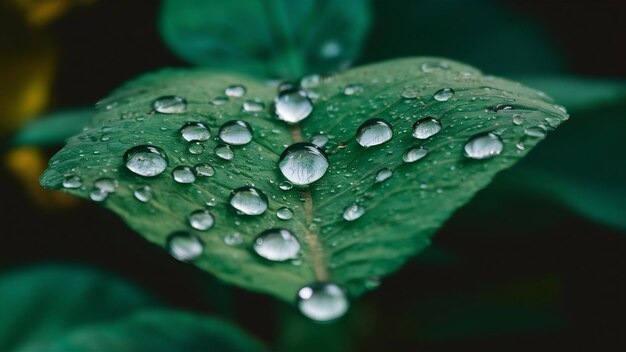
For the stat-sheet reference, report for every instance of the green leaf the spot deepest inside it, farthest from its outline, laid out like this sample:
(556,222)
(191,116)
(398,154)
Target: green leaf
(269,38)
(54,128)
(401,213)
(156,330)
(39,303)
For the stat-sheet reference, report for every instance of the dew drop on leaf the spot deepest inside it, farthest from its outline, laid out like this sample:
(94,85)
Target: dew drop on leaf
(184,246)
(285,185)
(195,148)
(320,140)
(249,201)
(235,91)
(143,193)
(98,195)
(443,94)
(253,105)
(426,128)
(537,132)
(518,119)
(322,301)
(483,146)
(201,220)
(500,107)
(221,100)
(235,132)
(383,174)
(284,213)
(292,105)
(303,163)
(195,131)
(233,239)
(277,245)
(72,181)
(224,152)
(183,174)
(373,132)
(170,104)
(434,66)
(108,185)
(353,89)
(414,154)
(145,160)
(353,212)
(204,170)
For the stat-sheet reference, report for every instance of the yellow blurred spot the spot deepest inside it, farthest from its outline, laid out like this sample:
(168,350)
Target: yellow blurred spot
(41,12)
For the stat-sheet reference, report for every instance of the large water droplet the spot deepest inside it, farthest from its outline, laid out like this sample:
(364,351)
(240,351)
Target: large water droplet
(292,105)
(204,170)
(383,174)
(483,146)
(322,301)
(414,154)
(426,128)
(253,105)
(235,91)
(184,246)
(353,212)
(195,131)
(72,181)
(443,94)
(236,132)
(303,163)
(145,160)
(284,213)
(277,245)
(170,104)
(201,220)
(373,132)
(536,131)
(143,193)
(183,174)
(249,200)
(224,152)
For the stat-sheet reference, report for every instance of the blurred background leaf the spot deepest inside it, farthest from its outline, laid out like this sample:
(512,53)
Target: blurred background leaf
(53,129)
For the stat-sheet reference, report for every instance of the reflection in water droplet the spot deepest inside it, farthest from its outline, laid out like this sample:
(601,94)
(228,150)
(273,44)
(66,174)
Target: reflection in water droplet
(285,185)
(536,131)
(320,140)
(233,239)
(145,160)
(184,246)
(195,148)
(72,181)
(414,154)
(353,212)
(201,220)
(235,132)
(195,131)
(284,213)
(353,89)
(383,174)
(322,301)
(249,201)
(143,193)
(183,174)
(253,105)
(292,105)
(170,104)
(235,91)
(277,245)
(373,132)
(426,128)
(204,170)
(483,146)
(303,163)
(224,152)
(444,94)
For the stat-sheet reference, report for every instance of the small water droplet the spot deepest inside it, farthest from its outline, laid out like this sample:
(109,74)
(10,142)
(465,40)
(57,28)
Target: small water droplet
(201,220)
(303,163)
(426,128)
(285,185)
(195,131)
(253,105)
(292,105)
(98,195)
(444,94)
(143,193)
(518,119)
(221,100)
(224,152)
(235,132)
(383,174)
(322,301)
(434,66)
(353,212)
(72,181)
(373,132)
(277,245)
(145,160)
(483,146)
(196,148)
(284,213)
(320,140)
(184,246)
(204,170)
(105,137)
(249,200)
(536,131)
(414,154)
(353,89)
(233,239)
(170,104)
(183,174)
(500,107)
(235,90)
(108,185)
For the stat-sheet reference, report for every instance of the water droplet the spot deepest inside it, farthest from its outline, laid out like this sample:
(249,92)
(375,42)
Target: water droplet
(285,185)
(249,201)
(195,148)
(383,174)
(108,185)
(72,181)
(443,94)
(483,146)
(434,66)
(409,93)
(235,132)
(143,193)
(183,174)
(353,89)
(224,152)
(253,105)
(518,119)
(235,91)
(221,100)
(426,128)
(500,107)
(233,239)
(195,131)
(303,163)
(373,132)
(201,220)
(309,81)
(292,105)
(353,212)
(284,213)
(170,104)
(98,195)
(320,140)
(322,301)
(537,131)
(105,137)
(145,160)
(414,154)
(277,245)
(184,246)
(204,170)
